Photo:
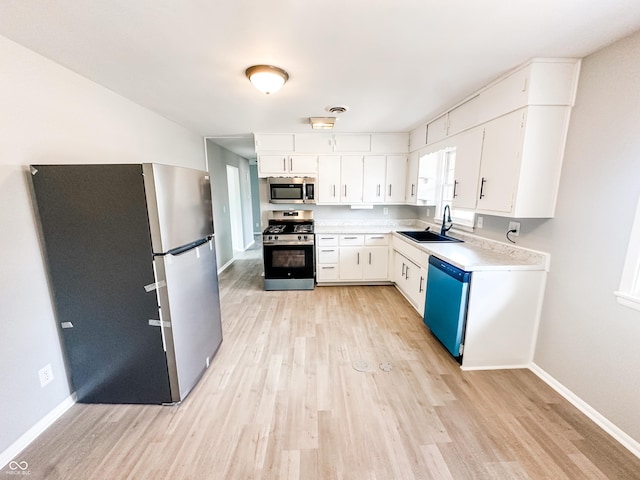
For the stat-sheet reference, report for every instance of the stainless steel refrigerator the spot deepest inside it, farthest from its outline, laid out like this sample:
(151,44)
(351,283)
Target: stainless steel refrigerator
(132,267)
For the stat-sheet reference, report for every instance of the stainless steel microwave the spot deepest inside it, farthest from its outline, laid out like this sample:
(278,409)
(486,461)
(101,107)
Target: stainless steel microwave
(292,190)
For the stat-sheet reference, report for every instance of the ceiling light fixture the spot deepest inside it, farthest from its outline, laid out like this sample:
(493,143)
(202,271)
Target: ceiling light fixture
(322,123)
(267,78)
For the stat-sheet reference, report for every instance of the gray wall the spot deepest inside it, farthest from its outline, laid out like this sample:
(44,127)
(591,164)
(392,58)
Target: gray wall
(218,158)
(255,197)
(587,341)
(51,115)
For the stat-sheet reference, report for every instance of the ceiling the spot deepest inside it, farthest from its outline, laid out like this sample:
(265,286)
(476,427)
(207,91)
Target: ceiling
(395,63)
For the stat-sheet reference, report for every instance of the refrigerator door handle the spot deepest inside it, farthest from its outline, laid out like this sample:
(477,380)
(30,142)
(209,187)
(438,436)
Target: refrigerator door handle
(184,248)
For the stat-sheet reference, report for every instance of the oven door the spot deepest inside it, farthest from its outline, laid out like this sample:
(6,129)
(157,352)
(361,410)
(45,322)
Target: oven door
(288,261)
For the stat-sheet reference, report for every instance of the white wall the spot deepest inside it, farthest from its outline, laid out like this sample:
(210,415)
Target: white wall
(218,159)
(51,115)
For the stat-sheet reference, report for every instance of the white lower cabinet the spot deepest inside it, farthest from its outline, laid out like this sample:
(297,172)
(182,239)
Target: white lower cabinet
(327,267)
(410,272)
(352,258)
(411,280)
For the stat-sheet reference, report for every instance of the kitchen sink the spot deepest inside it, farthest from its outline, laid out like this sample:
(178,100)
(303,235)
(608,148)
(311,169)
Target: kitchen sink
(425,236)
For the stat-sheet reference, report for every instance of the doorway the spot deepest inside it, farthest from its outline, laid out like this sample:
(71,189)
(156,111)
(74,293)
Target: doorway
(235,208)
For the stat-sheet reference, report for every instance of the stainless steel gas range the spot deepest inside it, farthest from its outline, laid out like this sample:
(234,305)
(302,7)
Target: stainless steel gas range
(288,244)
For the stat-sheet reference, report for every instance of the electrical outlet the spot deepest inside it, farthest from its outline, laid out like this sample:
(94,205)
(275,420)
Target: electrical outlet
(515,226)
(385,211)
(46,375)
(479,222)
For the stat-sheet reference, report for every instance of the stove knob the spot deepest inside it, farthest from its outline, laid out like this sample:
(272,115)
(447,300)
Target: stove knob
(305,237)
(299,237)
(270,237)
(276,237)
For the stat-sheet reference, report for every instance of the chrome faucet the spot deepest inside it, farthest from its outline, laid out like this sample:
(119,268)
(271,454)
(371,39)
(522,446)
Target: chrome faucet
(446,217)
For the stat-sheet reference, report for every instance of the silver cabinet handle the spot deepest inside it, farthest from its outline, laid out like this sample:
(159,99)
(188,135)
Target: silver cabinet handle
(284,164)
(406,273)
(413,189)
(345,190)
(482,187)
(327,268)
(358,258)
(378,191)
(403,268)
(350,238)
(369,258)
(334,189)
(332,250)
(327,238)
(377,238)
(291,164)
(421,280)
(389,189)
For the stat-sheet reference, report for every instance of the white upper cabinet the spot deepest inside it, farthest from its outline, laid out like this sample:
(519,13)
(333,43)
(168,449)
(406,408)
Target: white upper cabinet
(386,143)
(437,129)
(313,142)
(511,165)
(418,138)
(540,82)
(328,186)
(374,179)
(273,142)
(468,147)
(287,165)
(352,142)
(351,175)
(396,178)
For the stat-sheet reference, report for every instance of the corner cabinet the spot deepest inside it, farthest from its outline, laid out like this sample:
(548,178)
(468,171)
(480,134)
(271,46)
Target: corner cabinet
(410,272)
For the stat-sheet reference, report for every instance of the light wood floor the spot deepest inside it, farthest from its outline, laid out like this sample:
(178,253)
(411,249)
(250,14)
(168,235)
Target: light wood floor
(283,401)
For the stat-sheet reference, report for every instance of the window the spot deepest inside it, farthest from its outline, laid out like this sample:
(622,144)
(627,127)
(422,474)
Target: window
(448,163)
(629,292)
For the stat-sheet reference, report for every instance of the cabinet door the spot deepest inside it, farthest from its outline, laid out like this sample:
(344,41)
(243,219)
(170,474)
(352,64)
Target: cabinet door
(500,164)
(418,138)
(396,175)
(351,172)
(373,179)
(411,187)
(273,165)
(376,263)
(468,154)
(328,179)
(352,143)
(437,129)
(351,262)
(313,142)
(303,165)
(389,143)
(273,142)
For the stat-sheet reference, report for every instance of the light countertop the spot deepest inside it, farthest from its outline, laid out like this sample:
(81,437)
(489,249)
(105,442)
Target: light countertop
(475,254)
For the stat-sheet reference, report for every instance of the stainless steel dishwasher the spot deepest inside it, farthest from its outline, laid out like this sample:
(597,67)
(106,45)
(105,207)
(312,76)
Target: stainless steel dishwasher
(445,310)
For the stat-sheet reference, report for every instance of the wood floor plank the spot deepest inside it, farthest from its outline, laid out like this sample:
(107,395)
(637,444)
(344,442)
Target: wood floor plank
(282,400)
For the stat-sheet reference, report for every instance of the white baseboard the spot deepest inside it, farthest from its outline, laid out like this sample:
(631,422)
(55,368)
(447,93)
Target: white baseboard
(253,242)
(33,433)
(603,422)
(225,266)
(495,367)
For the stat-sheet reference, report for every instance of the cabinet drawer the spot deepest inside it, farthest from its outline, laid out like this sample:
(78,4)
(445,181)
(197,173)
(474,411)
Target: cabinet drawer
(328,255)
(326,239)
(351,240)
(376,240)
(327,273)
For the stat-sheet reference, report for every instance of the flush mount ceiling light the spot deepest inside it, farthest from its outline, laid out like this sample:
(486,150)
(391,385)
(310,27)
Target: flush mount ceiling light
(267,78)
(322,123)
